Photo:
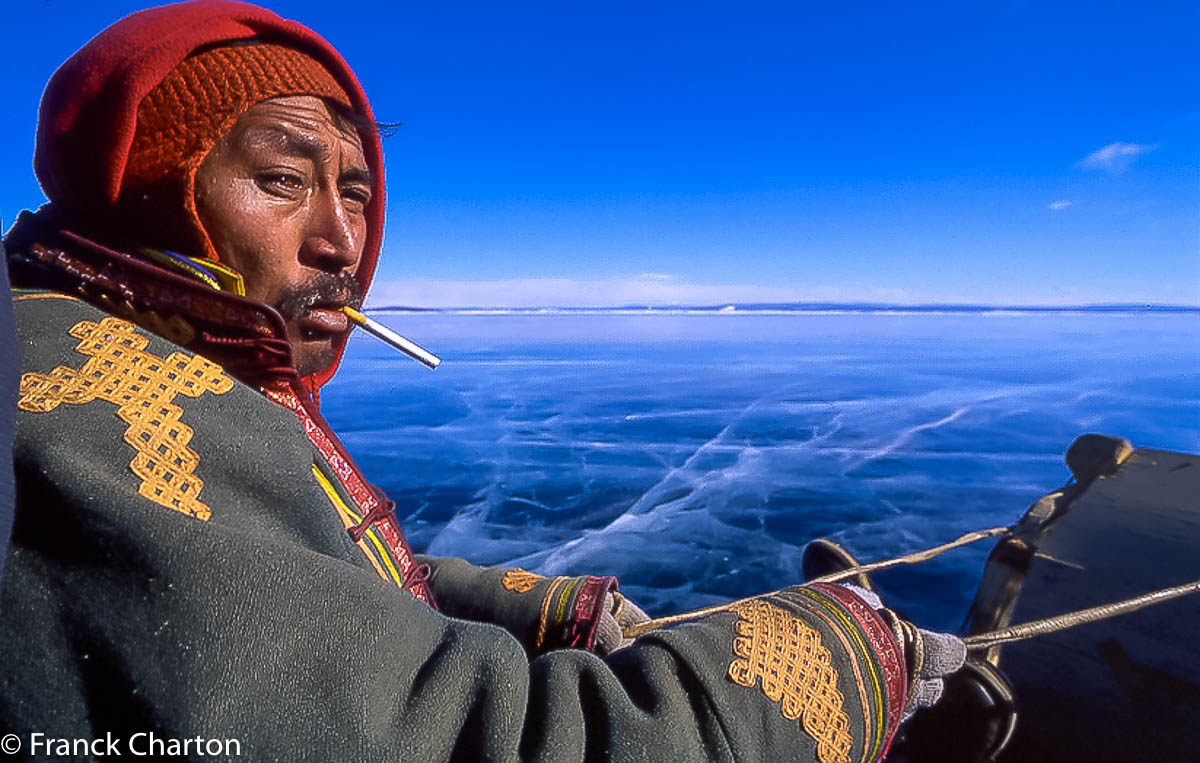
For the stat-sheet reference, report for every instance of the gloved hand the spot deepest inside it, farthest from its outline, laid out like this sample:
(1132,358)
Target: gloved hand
(930,656)
(619,613)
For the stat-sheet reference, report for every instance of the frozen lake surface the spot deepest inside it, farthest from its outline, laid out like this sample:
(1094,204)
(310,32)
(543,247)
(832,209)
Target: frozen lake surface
(693,455)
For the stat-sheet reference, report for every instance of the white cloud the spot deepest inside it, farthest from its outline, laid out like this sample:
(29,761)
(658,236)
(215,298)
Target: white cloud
(1058,206)
(1115,157)
(657,289)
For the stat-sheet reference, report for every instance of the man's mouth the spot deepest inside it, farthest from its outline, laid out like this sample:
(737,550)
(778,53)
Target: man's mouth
(324,319)
(315,308)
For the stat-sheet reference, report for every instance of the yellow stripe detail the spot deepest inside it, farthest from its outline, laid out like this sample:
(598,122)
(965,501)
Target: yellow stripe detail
(855,633)
(347,522)
(230,279)
(858,677)
(387,559)
(545,614)
(345,510)
(181,267)
(560,612)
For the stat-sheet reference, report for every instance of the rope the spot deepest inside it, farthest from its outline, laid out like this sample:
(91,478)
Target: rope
(975,642)
(1035,628)
(914,557)
(638,629)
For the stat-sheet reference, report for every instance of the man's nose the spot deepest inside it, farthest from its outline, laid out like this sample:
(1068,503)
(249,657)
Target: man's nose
(334,242)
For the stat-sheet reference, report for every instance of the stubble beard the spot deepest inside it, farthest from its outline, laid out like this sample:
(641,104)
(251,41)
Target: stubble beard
(308,355)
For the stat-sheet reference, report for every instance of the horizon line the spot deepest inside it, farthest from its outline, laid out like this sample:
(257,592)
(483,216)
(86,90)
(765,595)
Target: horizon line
(812,306)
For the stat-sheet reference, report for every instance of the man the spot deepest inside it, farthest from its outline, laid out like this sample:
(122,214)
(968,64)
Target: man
(196,557)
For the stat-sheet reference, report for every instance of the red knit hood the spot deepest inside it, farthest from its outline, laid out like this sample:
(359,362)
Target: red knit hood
(89,111)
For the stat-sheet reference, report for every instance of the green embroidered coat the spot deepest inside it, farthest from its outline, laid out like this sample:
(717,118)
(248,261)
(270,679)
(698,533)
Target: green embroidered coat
(189,558)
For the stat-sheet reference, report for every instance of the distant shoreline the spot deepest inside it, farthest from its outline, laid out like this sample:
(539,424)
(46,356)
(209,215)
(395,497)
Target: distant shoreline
(805,308)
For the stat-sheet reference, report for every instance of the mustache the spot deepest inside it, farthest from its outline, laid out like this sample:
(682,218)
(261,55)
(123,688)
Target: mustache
(326,289)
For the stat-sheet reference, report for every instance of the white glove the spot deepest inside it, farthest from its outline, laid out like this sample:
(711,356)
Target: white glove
(619,614)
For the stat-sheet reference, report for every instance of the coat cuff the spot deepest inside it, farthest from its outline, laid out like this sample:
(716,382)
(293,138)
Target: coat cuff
(543,613)
(885,650)
(570,614)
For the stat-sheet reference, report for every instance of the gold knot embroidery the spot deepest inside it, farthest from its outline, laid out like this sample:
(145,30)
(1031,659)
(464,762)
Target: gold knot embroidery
(794,669)
(142,386)
(520,581)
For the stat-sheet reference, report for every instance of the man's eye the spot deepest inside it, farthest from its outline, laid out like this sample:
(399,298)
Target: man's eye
(281,181)
(357,196)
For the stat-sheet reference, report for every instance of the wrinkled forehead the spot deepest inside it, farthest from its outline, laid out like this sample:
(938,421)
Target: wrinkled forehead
(306,126)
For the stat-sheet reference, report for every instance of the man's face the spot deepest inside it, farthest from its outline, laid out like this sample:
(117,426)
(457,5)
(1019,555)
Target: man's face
(282,197)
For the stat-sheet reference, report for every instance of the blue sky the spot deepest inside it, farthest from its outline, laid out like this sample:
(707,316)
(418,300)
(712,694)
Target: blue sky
(606,153)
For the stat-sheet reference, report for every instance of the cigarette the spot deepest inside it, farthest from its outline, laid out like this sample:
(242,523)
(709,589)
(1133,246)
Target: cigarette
(385,334)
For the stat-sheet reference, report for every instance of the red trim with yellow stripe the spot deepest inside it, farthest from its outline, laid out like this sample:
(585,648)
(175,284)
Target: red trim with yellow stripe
(381,523)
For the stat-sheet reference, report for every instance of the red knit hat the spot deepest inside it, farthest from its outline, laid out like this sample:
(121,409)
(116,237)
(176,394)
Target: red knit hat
(184,116)
(90,143)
